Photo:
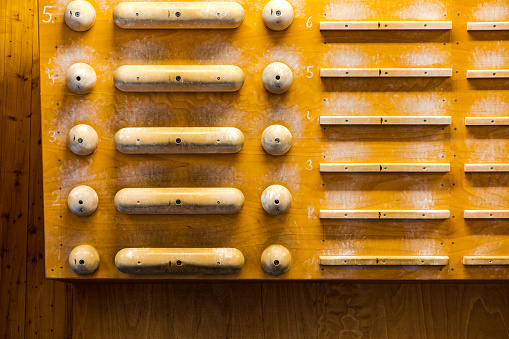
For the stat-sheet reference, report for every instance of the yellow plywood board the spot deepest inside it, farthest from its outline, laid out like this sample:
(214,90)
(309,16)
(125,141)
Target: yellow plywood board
(307,51)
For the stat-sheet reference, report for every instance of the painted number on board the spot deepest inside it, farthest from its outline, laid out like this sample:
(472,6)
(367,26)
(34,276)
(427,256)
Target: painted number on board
(310,74)
(309,164)
(309,23)
(47,13)
(52,136)
(56,194)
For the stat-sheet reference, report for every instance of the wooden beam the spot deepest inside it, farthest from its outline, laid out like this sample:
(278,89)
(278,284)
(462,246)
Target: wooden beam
(415,72)
(390,167)
(384,25)
(474,260)
(488,26)
(486,121)
(487,167)
(487,73)
(348,25)
(415,25)
(486,214)
(355,260)
(385,72)
(385,120)
(349,72)
(384,214)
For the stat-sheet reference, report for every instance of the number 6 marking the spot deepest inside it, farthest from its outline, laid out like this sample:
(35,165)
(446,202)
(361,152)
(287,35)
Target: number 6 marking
(48,14)
(309,23)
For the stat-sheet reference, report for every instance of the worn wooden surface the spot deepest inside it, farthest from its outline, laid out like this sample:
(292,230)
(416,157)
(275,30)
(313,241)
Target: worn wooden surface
(32,306)
(306,50)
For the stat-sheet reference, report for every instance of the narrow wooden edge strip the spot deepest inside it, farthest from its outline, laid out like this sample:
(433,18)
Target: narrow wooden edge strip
(339,167)
(354,260)
(385,72)
(349,72)
(486,214)
(385,120)
(487,73)
(384,214)
(486,168)
(385,25)
(474,260)
(486,121)
(488,26)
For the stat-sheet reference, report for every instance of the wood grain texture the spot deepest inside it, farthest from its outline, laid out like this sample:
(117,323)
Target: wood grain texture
(54,309)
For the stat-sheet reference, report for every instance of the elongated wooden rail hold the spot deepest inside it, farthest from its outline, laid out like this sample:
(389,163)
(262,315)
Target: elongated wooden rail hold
(179,140)
(486,168)
(206,200)
(487,73)
(486,121)
(486,214)
(384,25)
(193,15)
(339,167)
(179,260)
(474,260)
(385,214)
(356,260)
(385,72)
(488,26)
(178,78)
(385,120)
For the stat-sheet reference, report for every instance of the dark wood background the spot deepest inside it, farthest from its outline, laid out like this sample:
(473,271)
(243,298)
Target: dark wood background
(32,306)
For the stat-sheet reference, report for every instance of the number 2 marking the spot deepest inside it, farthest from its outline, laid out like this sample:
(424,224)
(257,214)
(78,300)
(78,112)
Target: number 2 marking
(46,13)
(57,194)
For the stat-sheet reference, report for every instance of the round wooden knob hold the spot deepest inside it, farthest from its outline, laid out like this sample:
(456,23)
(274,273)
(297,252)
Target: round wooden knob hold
(82,139)
(277,78)
(276,259)
(276,200)
(276,140)
(79,15)
(84,259)
(82,200)
(81,78)
(277,15)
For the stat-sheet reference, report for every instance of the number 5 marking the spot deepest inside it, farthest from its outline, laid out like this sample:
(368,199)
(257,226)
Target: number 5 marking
(46,13)
(310,74)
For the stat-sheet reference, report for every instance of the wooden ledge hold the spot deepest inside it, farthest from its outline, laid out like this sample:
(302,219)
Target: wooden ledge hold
(385,214)
(486,121)
(203,200)
(475,260)
(179,260)
(385,25)
(488,26)
(487,73)
(385,120)
(355,260)
(339,167)
(385,72)
(486,214)
(471,168)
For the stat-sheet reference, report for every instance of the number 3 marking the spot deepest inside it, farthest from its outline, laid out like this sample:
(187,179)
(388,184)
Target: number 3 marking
(309,166)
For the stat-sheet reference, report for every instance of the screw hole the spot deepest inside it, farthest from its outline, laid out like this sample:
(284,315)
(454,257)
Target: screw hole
(218,202)
(137,14)
(276,262)
(277,140)
(278,13)
(82,262)
(218,78)
(78,78)
(179,262)
(178,78)
(80,140)
(178,141)
(178,202)
(80,202)
(218,14)
(278,77)
(276,201)
(177,14)
(77,14)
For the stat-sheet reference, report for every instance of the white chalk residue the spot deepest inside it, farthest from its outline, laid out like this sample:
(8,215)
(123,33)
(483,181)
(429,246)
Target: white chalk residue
(489,105)
(425,55)
(345,55)
(290,55)
(286,174)
(351,10)
(420,103)
(139,51)
(288,116)
(74,112)
(488,57)
(347,103)
(69,54)
(219,51)
(492,11)
(423,10)
(76,172)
